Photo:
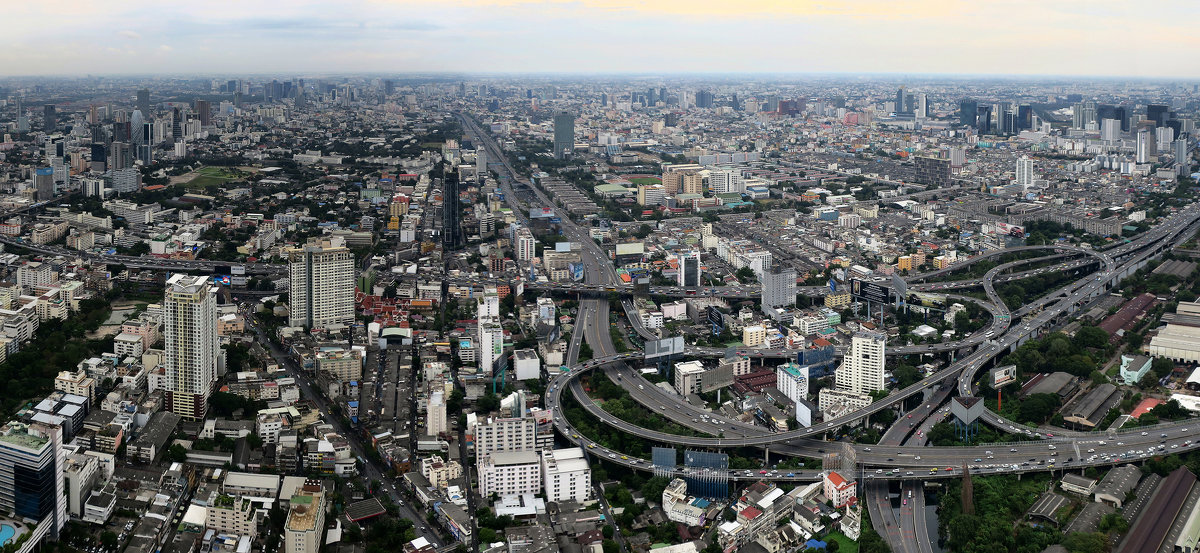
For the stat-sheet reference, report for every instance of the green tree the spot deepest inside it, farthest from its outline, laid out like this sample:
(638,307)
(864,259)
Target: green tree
(108,539)
(1162,367)
(177,453)
(1080,542)
(1091,337)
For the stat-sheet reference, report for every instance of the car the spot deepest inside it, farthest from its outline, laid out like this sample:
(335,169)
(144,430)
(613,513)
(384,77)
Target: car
(1093,450)
(866,449)
(978,460)
(762,472)
(791,475)
(1012,450)
(909,473)
(1144,433)
(917,458)
(878,471)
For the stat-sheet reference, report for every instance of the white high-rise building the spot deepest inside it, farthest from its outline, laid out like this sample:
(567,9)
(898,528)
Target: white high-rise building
(191,348)
(721,181)
(491,345)
(1164,136)
(494,434)
(481,162)
(1110,130)
(487,306)
(1143,146)
(510,473)
(526,245)
(1024,172)
(1183,161)
(566,475)
(435,420)
(778,288)
(321,275)
(862,368)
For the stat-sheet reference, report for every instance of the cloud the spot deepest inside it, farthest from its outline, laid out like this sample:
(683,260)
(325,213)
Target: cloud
(131,35)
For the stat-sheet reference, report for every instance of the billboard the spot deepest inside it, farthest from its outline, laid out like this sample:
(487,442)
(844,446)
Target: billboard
(1011,230)
(922,299)
(664,347)
(576,270)
(877,292)
(899,286)
(631,248)
(1003,375)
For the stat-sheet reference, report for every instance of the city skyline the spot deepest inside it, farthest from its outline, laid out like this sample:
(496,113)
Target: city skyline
(601,36)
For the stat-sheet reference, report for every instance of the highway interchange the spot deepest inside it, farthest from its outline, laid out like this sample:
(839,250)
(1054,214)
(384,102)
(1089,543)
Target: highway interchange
(1052,451)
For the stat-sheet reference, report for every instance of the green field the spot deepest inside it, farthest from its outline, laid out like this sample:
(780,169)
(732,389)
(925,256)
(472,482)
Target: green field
(845,545)
(214,176)
(646,180)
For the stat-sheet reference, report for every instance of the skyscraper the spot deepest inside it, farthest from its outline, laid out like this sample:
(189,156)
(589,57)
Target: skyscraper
(1110,130)
(31,470)
(862,368)
(967,112)
(1183,160)
(176,124)
(900,107)
(43,184)
(143,101)
(49,118)
(321,275)
(191,348)
(481,163)
(1024,117)
(1157,113)
(689,269)
(1024,172)
(204,112)
(704,99)
(778,288)
(983,119)
(564,135)
(1144,142)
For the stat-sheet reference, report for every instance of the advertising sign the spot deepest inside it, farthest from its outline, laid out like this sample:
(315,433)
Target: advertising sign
(1003,375)
(870,291)
(936,301)
(1011,230)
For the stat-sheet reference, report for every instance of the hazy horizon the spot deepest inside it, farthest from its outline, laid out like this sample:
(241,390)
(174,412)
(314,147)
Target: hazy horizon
(1021,38)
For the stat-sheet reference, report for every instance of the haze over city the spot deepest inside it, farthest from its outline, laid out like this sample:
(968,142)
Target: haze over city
(1022,37)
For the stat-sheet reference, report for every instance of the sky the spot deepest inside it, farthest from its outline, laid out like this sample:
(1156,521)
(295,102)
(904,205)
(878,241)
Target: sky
(1119,38)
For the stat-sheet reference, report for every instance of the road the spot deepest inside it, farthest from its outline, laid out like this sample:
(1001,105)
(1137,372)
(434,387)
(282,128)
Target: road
(1020,458)
(373,469)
